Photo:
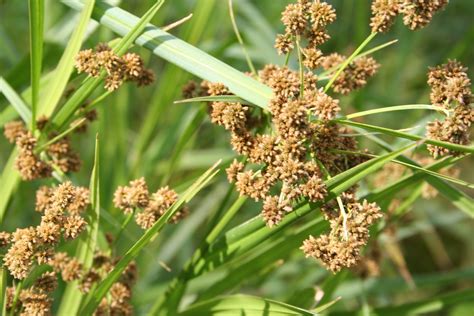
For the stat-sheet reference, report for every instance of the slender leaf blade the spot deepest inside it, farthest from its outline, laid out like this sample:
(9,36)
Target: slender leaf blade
(36,8)
(66,63)
(16,101)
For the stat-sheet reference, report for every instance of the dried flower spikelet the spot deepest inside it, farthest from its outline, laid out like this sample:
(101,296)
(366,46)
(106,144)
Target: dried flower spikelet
(27,162)
(88,281)
(43,198)
(146,219)
(72,270)
(321,14)
(252,185)
(63,155)
(215,88)
(35,303)
(272,211)
(325,107)
(13,130)
(147,77)
(73,226)
(19,257)
(129,67)
(230,115)
(449,83)
(86,61)
(312,57)
(314,189)
(120,293)
(158,203)
(334,250)
(284,44)
(5,238)
(46,283)
(384,13)
(418,13)
(132,196)
(354,76)
(294,19)
(233,170)
(133,65)
(48,232)
(450,88)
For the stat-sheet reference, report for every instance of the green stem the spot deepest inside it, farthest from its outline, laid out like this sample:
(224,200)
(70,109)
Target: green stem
(239,38)
(18,289)
(300,64)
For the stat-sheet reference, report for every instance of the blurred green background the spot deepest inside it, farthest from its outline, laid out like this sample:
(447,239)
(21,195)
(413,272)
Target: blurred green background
(142,133)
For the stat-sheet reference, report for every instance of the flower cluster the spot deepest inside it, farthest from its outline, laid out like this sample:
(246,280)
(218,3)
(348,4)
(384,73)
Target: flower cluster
(28,162)
(341,247)
(61,209)
(354,76)
(450,89)
(151,206)
(120,294)
(302,145)
(128,67)
(35,300)
(306,19)
(416,13)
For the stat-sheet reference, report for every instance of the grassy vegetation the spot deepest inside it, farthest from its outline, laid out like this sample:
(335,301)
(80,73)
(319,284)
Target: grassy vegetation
(223,259)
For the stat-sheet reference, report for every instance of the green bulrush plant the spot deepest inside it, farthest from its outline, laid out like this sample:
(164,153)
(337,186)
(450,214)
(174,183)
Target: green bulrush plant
(285,124)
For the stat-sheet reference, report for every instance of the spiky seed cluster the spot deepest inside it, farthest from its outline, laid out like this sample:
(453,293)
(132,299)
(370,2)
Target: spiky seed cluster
(61,208)
(354,76)
(306,19)
(129,67)
(152,206)
(35,300)
(283,156)
(341,248)
(384,13)
(28,161)
(416,13)
(451,89)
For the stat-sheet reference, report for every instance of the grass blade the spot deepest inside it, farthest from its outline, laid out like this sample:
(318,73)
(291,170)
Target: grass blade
(9,180)
(66,63)
(3,291)
(85,250)
(397,108)
(391,132)
(95,297)
(223,98)
(428,305)
(243,305)
(181,54)
(16,101)
(36,8)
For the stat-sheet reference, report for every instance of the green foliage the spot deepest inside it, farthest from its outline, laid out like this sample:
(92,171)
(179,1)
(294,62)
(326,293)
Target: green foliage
(223,248)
